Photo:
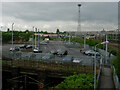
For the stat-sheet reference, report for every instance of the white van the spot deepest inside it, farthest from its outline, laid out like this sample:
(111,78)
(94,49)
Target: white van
(47,40)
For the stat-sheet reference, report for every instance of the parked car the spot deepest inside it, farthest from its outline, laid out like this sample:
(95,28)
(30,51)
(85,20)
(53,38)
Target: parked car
(61,52)
(83,51)
(68,58)
(47,56)
(98,54)
(76,60)
(37,50)
(89,52)
(46,40)
(29,46)
(14,48)
(43,43)
(53,52)
(97,57)
(23,46)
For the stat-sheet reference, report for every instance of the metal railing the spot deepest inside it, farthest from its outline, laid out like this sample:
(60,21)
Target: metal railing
(116,79)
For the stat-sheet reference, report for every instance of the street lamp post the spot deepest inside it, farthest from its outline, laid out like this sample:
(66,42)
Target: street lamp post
(95,68)
(12,35)
(38,38)
(69,38)
(106,47)
(95,63)
(1,35)
(33,38)
(84,41)
(12,43)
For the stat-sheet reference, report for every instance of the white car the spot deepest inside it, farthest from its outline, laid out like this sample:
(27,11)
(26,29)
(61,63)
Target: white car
(76,60)
(89,52)
(47,40)
(37,50)
(14,49)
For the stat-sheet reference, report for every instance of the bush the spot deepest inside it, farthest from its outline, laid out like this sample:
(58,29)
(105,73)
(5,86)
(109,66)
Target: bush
(116,63)
(78,81)
(114,52)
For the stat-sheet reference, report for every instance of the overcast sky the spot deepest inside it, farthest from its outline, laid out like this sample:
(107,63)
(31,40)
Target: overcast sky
(48,16)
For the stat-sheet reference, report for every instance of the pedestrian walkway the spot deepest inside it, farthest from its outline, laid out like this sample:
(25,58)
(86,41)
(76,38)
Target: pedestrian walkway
(106,80)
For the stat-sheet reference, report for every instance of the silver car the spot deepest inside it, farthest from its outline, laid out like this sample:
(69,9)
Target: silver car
(43,43)
(47,56)
(68,58)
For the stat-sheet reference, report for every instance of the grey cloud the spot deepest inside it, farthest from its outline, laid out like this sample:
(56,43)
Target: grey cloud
(39,11)
(57,13)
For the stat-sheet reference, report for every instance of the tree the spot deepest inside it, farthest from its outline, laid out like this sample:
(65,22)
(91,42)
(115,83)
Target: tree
(57,31)
(8,30)
(6,36)
(116,63)
(45,32)
(78,81)
(27,31)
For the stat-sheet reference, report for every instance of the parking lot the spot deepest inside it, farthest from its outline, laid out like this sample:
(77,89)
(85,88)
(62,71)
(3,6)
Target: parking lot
(52,45)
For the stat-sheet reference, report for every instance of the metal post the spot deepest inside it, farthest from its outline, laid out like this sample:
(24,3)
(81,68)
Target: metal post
(12,35)
(25,82)
(12,44)
(69,38)
(38,38)
(33,38)
(106,48)
(95,70)
(1,42)
(84,41)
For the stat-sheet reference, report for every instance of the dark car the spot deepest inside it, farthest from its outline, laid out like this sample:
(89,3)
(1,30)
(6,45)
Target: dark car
(53,52)
(23,46)
(29,46)
(62,52)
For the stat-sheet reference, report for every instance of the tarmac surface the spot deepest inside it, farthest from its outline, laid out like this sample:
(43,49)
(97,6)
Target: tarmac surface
(55,45)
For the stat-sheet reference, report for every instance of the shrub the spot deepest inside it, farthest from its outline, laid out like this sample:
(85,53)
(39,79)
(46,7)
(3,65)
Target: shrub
(116,63)
(78,81)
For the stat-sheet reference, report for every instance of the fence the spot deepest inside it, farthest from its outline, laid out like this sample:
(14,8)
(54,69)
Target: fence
(116,79)
(98,77)
(40,65)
